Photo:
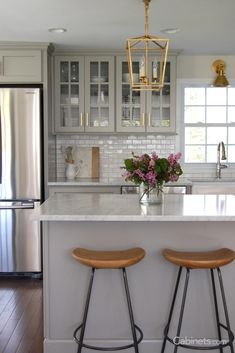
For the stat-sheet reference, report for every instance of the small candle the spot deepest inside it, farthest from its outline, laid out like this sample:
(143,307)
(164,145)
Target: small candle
(155,69)
(142,67)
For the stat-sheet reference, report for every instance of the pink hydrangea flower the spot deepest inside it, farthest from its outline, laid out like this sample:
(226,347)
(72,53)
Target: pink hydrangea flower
(154,156)
(152,163)
(140,174)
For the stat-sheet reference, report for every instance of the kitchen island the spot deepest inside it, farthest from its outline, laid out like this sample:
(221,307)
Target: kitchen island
(101,221)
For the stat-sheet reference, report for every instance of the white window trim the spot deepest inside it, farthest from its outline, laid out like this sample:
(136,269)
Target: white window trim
(207,168)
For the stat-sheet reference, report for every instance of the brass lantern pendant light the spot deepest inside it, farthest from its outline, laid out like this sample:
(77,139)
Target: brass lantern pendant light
(151,49)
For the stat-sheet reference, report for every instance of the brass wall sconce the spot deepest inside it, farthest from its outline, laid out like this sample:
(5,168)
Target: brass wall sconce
(218,67)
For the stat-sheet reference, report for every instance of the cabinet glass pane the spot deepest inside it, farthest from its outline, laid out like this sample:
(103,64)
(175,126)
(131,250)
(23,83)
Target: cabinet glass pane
(155,99)
(64,94)
(74,116)
(156,117)
(136,97)
(74,71)
(94,117)
(104,117)
(104,71)
(165,117)
(64,117)
(94,71)
(74,94)
(166,91)
(131,113)
(126,116)
(94,90)
(104,94)
(125,72)
(135,116)
(64,71)
(125,94)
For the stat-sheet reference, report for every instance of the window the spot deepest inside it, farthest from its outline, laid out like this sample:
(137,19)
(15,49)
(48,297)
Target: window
(209,117)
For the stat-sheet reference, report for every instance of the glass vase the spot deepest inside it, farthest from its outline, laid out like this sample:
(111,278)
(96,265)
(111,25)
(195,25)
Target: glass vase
(149,195)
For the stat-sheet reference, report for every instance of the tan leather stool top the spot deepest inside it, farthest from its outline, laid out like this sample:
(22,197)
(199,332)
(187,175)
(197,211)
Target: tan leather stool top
(108,259)
(208,259)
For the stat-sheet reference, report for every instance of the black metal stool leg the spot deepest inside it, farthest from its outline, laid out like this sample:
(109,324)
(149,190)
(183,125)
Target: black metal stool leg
(216,307)
(166,330)
(83,325)
(225,308)
(182,307)
(130,311)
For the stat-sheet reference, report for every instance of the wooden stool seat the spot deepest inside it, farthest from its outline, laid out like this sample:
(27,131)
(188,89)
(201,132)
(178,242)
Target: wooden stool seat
(208,259)
(108,259)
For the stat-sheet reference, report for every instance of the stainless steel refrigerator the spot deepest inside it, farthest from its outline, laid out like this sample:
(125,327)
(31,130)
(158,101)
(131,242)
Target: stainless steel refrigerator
(21,182)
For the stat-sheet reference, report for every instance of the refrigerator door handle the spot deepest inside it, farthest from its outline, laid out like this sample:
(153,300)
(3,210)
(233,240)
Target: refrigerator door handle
(16,205)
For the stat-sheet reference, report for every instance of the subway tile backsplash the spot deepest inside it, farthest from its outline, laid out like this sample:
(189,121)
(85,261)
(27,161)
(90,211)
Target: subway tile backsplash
(114,149)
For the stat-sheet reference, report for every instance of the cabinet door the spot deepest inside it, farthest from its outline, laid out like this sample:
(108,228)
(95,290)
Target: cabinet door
(130,107)
(161,105)
(69,94)
(99,99)
(20,66)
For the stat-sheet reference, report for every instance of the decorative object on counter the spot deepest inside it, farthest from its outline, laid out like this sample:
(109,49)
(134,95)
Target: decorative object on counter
(85,161)
(71,169)
(150,173)
(68,152)
(149,77)
(218,67)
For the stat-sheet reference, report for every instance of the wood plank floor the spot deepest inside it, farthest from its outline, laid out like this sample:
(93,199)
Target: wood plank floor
(21,329)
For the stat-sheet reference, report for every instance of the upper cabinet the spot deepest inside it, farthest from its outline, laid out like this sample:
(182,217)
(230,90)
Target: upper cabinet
(145,111)
(20,66)
(84,94)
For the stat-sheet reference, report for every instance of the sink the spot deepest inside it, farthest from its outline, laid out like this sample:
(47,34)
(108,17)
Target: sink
(212,180)
(213,186)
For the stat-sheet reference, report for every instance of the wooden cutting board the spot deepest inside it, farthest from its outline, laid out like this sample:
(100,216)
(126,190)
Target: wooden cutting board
(87,159)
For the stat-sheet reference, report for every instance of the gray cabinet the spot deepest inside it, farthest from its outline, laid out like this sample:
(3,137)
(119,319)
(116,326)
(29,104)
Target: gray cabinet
(145,111)
(84,94)
(20,66)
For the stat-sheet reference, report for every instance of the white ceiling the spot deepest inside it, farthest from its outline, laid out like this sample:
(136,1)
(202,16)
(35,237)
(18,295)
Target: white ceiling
(206,26)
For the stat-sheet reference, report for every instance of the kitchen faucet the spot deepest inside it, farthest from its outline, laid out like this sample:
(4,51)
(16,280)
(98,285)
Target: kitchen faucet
(220,156)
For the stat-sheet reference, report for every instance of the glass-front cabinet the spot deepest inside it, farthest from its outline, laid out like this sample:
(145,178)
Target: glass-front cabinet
(84,94)
(149,111)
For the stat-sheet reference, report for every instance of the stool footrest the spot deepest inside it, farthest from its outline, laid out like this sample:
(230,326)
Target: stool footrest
(216,346)
(107,348)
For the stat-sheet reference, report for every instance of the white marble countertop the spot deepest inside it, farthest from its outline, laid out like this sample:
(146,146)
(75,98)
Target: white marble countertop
(110,207)
(104,182)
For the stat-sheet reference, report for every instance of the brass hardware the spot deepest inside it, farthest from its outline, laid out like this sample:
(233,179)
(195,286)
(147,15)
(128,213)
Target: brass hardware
(149,119)
(81,119)
(218,67)
(150,78)
(143,119)
(87,119)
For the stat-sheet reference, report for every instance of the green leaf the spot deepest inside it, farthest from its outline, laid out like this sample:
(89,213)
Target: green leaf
(129,165)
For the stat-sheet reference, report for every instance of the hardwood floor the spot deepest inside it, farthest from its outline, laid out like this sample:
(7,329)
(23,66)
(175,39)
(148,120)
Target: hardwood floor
(21,329)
